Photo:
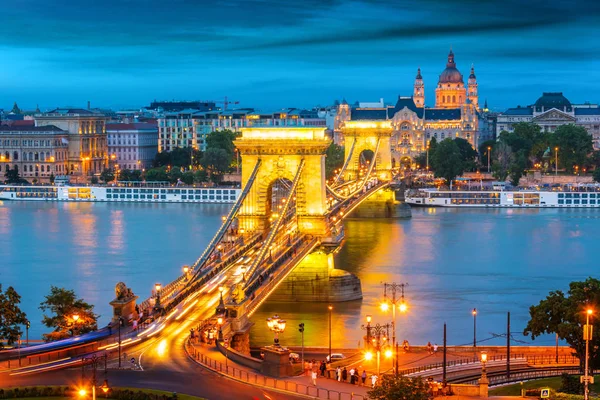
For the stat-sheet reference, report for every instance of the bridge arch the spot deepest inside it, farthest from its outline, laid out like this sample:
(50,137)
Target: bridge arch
(368,135)
(284,153)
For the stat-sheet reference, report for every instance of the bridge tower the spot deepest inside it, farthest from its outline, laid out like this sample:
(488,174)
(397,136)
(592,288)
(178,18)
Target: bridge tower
(365,136)
(281,151)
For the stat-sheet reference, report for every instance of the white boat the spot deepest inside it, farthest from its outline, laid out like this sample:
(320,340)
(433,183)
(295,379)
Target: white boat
(144,194)
(502,199)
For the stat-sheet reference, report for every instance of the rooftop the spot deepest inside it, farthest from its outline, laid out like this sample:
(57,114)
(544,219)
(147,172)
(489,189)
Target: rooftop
(135,126)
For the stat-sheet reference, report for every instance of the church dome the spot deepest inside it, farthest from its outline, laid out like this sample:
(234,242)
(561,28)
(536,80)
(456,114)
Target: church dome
(451,74)
(553,100)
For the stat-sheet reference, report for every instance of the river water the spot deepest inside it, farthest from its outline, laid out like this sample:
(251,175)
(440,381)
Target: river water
(452,259)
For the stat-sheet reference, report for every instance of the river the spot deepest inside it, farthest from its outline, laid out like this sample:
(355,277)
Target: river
(452,259)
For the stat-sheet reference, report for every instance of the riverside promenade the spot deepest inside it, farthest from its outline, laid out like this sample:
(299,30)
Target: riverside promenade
(413,363)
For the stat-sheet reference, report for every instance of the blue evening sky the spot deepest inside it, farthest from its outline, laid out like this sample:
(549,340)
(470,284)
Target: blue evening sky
(276,53)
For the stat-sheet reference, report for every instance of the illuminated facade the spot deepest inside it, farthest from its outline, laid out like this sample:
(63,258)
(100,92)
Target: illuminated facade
(37,151)
(455,115)
(132,146)
(88,151)
(550,111)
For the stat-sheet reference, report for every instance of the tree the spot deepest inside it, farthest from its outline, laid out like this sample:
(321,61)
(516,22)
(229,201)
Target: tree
(447,161)
(107,175)
(188,178)
(157,174)
(421,160)
(11,316)
(52,178)
(64,305)
(574,146)
(596,175)
(222,140)
(503,158)
(483,151)
(565,316)
(400,388)
(517,167)
(12,176)
(130,175)
(215,161)
(179,157)
(94,180)
(467,153)
(334,159)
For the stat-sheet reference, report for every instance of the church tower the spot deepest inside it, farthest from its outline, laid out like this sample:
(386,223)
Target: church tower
(450,91)
(419,90)
(472,88)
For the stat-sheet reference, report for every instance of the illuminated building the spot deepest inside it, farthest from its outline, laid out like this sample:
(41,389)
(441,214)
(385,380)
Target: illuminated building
(132,146)
(550,111)
(87,138)
(37,151)
(455,115)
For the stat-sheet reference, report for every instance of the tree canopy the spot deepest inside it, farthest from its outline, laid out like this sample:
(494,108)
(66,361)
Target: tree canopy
(565,315)
(574,146)
(447,161)
(400,388)
(68,314)
(334,159)
(11,316)
(177,158)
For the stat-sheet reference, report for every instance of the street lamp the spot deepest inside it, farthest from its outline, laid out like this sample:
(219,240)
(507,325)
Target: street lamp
(379,342)
(277,326)
(483,379)
(157,287)
(94,363)
(395,302)
(489,149)
(330,307)
(587,336)
(186,271)
(556,161)
(474,312)
(220,323)
(75,319)
(243,268)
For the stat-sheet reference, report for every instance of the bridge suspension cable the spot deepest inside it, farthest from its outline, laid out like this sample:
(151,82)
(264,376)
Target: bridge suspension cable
(253,270)
(337,178)
(364,180)
(223,229)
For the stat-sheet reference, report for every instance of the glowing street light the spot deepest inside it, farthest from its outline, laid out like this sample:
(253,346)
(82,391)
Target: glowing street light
(393,303)
(474,312)
(587,336)
(277,326)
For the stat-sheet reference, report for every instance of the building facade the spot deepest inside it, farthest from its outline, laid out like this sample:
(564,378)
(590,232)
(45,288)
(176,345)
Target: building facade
(550,111)
(455,114)
(132,146)
(37,151)
(88,151)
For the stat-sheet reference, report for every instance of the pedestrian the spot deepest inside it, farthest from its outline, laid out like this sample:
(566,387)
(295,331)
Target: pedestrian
(352,372)
(344,375)
(314,378)
(338,374)
(364,376)
(323,368)
(435,347)
(429,348)
(373,380)
(310,366)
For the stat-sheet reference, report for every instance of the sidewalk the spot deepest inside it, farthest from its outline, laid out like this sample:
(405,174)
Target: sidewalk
(209,356)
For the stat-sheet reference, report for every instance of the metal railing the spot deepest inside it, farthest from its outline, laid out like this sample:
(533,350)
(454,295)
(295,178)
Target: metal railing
(265,382)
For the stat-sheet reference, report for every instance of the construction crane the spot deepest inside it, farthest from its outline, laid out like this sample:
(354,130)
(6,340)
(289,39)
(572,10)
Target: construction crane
(226,102)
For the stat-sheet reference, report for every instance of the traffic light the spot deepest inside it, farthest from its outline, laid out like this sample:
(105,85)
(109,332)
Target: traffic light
(28,324)
(301,327)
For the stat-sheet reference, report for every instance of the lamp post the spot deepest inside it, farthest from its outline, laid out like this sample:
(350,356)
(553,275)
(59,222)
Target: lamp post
(120,323)
(186,272)
(427,168)
(556,161)
(27,326)
(157,306)
(489,149)
(483,364)
(474,312)
(75,319)
(93,360)
(220,323)
(395,302)
(379,342)
(587,336)
(330,307)
(243,268)
(277,326)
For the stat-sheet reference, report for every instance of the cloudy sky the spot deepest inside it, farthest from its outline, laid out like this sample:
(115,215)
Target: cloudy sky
(276,53)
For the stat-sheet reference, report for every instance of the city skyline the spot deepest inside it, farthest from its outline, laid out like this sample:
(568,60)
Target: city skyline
(291,54)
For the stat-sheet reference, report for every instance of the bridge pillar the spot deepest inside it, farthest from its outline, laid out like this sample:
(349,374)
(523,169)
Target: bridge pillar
(382,204)
(281,151)
(365,134)
(316,279)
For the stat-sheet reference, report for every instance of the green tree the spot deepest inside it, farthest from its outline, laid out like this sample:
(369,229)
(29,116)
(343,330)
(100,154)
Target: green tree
(574,146)
(188,178)
(400,388)
(517,167)
(222,140)
(11,316)
(447,161)
(467,153)
(130,175)
(503,159)
(63,305)
(179,157)
(483,151)
(421,160)
(596,175)
(201,176)
(12,176)
(107,175)
(565,315)
(157,175)
(334,159)
(52,178)
(215,161)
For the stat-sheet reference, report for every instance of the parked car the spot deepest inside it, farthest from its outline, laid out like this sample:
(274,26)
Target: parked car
(336,357)
(294,357)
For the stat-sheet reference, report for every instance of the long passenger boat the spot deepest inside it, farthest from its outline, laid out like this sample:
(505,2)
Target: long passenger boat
(147,194)
(503,199)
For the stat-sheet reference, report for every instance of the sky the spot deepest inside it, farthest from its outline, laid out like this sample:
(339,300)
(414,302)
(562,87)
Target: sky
(284,53)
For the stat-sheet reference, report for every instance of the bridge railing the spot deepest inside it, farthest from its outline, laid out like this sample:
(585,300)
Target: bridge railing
(252,378)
